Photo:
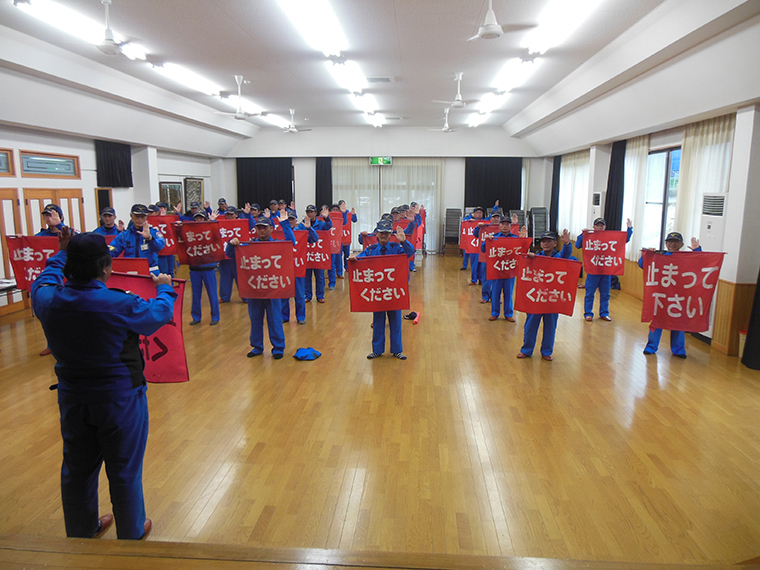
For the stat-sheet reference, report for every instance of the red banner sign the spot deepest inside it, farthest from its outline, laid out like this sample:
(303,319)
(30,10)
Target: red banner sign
(318,254)
(379,283)
(347,231)
(164,351)
(489,230)
(131,265)
(165,227)
(199,243)
(266,270)
(546,285)
(679,288)
(502,256)
(336,232)
(29,254)
(604,252)
(467,241)
(403,224)
(229,229)
(422,230)
(299,249)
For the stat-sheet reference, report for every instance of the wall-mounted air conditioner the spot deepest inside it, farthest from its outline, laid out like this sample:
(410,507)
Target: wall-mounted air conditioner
(597,206)
(712,228)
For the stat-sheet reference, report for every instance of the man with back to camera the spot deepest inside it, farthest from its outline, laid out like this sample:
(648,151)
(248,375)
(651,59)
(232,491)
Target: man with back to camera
(101,386)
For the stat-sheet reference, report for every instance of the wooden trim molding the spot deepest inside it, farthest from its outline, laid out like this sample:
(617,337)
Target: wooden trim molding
(733,305)
(8,152)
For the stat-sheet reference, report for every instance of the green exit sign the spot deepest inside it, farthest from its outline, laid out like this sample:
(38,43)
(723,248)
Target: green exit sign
(380,160)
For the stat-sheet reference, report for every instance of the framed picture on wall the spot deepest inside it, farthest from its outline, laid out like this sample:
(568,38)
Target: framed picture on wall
(171,193)
(193,191)
(6,162)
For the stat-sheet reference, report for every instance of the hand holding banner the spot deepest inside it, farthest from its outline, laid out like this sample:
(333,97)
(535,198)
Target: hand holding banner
(604,252)
(679,288)
(266,270)
(546,285)
(28,256)
(199,243)
(163,351)
(502,256)
(379,283)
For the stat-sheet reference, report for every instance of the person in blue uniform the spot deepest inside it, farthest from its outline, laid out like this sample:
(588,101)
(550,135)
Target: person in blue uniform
(139,240)
(405,212)
(673,243)
(386,247)
(476,215)
(188,216)
(53,217)
(336,261)
(548,245)
(322,223)
(227,267)
(346,248)
(299,299)
(250,212)
(269,308)
(601,282)
(109,227)
(485,290)
(94,335)
(203,276)
(505,287)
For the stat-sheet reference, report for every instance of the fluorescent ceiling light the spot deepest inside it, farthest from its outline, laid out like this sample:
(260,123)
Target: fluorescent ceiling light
(365,102)
(491,102)
(557,22)
(514,73)
(375,119)
(276,121)
(316,22)
(67,20)
(348,75)
(134,51)
(245,105)
(187,78)
(476,119)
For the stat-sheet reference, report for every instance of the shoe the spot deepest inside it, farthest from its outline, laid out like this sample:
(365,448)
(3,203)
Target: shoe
(582,286)
(548,357)
(463,269)
(680,355)
(400,355)
(103,523)
(522,355)
(492,318)
(147,527)
(510,319)
(330,288)
(373,355)
(307,300)
(340,276)
(606,318)
(320,300)
(413,270)
(484,301)
(46,352)
(193,323)
(224,300)
(252,354)
(480,282)
(301,322)
(277,356)
(589,319)
(212,323)
(648,352)
(472,283)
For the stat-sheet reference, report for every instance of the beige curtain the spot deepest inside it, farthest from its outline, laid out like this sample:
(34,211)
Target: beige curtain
(574,182)
(634,194)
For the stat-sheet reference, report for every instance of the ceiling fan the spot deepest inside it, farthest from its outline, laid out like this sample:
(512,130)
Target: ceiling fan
(458,102)
(291,128)
(446,128)
(240,114)
(490,30)
(110,46)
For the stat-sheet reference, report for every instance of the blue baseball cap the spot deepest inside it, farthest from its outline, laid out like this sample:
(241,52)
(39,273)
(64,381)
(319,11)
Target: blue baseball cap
(221,201)
(53,208)
(384,226)
(600,221)
(292,214)
(549,235)
(201,214)
(311,208)
(86,246)
(264,221)
(153,208)
(194,205)
(674,236)
(139,209)
(108,212)
(230,210)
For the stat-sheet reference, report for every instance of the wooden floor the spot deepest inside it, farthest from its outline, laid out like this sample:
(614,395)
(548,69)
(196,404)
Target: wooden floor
(602,455)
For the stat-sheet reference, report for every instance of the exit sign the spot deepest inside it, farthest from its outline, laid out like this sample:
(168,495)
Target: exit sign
(380,160)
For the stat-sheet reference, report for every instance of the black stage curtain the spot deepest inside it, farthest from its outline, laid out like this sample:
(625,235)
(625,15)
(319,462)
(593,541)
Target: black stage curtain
(613,207)
(263,179)
(751,356)
(554,206)
(324,181)
(487,179)
(113,162)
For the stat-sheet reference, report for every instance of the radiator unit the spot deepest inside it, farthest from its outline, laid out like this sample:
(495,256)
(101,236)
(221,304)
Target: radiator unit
(712,227)
(539,222)
(597,205)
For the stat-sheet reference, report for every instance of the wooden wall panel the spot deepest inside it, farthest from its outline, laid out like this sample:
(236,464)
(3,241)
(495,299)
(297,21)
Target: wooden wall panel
(633,280)
(733,305)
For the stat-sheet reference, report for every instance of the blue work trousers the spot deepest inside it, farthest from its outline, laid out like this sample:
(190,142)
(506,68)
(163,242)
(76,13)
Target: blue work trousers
(603,283)
(531,332)
(299,301)
(227,274)
(677,341)
(114,432)
(272,308)
(378,331)
(465,259)
(166,264)
(336,268)
(501,287)
(199,280)
(474,267)
(346,251)
(319,274)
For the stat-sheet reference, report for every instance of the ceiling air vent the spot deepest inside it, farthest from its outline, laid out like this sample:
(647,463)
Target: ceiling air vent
(381,79)
(712,205)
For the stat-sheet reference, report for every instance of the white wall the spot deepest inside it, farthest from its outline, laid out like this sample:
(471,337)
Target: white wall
(305,183)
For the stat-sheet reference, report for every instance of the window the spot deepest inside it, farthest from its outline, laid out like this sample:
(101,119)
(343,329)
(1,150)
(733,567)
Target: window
(663,168)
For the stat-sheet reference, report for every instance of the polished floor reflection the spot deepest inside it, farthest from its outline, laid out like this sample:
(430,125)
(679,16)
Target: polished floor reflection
(603,454)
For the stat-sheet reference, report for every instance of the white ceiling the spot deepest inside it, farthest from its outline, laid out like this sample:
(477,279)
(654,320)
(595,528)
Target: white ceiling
(421,43)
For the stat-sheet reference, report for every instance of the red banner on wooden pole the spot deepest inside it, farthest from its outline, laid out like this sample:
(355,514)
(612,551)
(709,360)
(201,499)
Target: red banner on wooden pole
(546,285)
(379,283)
(604,252)
(163,351)
(502,256)
(165,227)
(318,253)
(199,243)
(679,289)
(28,256)
(266,270)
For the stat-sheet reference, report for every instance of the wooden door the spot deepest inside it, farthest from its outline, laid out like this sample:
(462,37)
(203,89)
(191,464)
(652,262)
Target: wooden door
(69,199)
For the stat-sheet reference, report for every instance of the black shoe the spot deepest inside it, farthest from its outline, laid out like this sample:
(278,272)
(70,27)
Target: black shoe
(212,323)
(277,356)
(680,355)
(193,323)
(373,355)
(648,352)
(400,355)
(252,354)
(463,269)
